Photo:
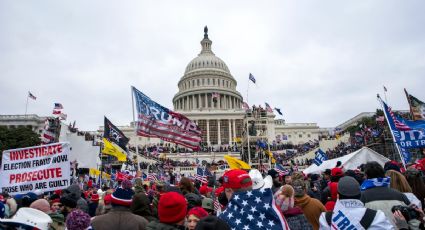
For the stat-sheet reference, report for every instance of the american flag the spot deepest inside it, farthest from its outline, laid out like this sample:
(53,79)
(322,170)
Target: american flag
(251,77)
(151,177)
(268,108)
(56,112)
(398,124)
(30,95)
(201,175)
(154,120)
(58,106)
(253,209)
(281,170)
(217,206)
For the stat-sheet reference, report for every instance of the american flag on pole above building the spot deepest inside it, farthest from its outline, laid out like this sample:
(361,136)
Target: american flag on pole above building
(154,120)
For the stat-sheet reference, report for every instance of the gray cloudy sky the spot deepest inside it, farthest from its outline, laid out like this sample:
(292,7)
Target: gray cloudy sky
(319,61)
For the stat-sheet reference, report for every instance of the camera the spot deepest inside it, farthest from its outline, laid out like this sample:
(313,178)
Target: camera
(409,213)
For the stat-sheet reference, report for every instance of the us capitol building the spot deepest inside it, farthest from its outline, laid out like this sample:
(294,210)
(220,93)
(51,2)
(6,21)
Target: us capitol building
(207,94)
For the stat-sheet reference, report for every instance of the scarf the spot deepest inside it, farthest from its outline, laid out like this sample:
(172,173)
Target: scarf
(375,182)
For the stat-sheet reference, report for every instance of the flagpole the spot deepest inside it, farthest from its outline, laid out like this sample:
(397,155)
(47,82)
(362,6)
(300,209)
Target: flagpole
(135,131)
(385,94)
(247,89)
(26,107)
(410,105)
(392,134)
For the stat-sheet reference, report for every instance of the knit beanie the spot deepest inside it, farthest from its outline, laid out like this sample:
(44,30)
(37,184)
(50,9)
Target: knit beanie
(69,201)
(198,212)
(212,223)
(42,205)
(77,220)
(122,196)
(172,208)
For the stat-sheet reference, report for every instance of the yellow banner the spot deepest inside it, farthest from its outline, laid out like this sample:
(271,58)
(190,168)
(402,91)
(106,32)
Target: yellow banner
(113,150)
(236,163)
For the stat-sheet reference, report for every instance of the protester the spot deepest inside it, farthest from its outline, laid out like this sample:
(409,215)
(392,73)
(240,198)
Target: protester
(78,220)
(120,217)
(312,208)
(349,211)
(141,206)
(172,208)
(275,176)
(27,218)
(69,203)
(414,178)
(294,215)
(194,215)
(74,192)
(399,183)
(208,205)
(376,191)
(236,180)
(330,193)
(212,223)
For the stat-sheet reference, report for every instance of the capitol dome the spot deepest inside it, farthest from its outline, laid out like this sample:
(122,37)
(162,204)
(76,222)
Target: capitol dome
(207,83)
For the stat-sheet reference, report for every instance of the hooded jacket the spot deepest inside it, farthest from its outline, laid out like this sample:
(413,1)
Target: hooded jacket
(74,191)
(153,225)
(141,206)
(312,208)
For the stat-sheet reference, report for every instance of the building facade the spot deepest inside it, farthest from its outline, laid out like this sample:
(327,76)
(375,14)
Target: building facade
(207,95)
(33,121)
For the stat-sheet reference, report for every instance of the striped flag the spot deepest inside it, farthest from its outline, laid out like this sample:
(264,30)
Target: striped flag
(154,120)
(217,206)
(268,108)
(252,78)
(201,176)
(245,106)
(398,124)
(281,170)
(30,95)
(152,177)
(215,95)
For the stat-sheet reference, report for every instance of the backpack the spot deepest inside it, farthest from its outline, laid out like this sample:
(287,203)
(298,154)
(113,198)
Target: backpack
(365,222)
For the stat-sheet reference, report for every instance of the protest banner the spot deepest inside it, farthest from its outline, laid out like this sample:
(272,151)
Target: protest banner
(44,168)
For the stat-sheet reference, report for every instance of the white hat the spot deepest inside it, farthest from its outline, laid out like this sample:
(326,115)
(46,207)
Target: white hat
(268,182)
(257,179)
(30,217)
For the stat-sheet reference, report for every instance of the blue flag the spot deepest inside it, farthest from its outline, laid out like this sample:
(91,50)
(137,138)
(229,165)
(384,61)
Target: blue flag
(253,210)
(278,111)
(320,157)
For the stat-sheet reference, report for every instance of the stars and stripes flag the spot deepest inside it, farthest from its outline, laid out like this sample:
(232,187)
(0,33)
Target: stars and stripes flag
(253,210)
(30,95)
(154,120)
(58,106)
(252,78)
(281,170)
(151,177)
(217,206)
(201,176)
(417,107)
(268,108)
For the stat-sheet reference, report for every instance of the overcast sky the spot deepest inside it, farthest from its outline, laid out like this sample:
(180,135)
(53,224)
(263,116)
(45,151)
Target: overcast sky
(319,61)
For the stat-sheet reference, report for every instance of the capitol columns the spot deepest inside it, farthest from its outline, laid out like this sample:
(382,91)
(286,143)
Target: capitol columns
(218,132)
(208,132)
(230,133)
(234,129)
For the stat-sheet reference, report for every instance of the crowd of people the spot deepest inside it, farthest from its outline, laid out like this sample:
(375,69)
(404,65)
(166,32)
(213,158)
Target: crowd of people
(370,197)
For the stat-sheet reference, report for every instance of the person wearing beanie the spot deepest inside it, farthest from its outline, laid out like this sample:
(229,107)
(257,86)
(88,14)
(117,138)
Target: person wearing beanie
(75,192)
(141,206)
(312,208)
(284,199)
(193,200)
(194,215)
(78,220)
(328,196)
(94,203)
(69,203)
(172,208)
(212,223)
(120,217)
(350,212)
(205,191)
(57,218)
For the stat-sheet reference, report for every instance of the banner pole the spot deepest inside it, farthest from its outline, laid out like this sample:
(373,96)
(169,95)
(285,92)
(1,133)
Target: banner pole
(392,134)
(135,131)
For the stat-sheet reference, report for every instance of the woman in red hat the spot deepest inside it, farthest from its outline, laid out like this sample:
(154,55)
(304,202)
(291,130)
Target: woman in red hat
(194,215)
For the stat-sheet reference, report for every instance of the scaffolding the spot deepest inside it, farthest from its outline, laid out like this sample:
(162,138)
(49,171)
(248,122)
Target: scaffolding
(256,134)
